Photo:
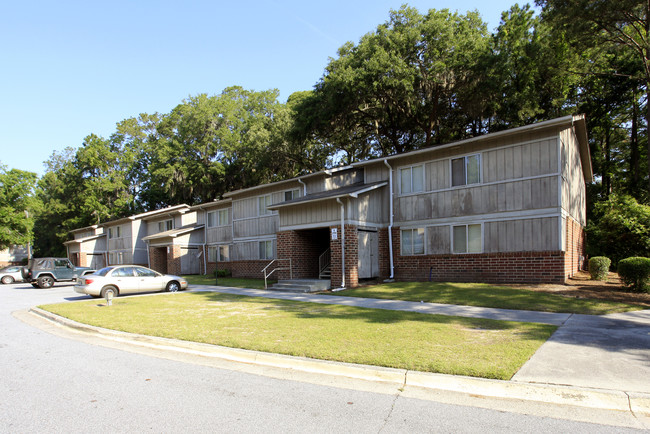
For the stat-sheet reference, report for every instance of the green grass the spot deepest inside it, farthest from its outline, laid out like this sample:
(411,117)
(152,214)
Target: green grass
(484,295)
(236,282)
(408,340)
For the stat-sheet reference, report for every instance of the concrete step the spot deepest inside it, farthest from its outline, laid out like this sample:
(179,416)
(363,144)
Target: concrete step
(302,285)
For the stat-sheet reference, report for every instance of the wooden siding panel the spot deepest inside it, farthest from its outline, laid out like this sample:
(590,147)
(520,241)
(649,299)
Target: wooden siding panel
(521,235)
(438,240)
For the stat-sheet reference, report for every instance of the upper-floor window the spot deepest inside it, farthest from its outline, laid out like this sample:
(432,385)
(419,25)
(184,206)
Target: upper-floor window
(413,241)
(166,225)
(115,232)
(292,194)
(468,239)
(218,218)
(263,202)
(466,170)
(411,179)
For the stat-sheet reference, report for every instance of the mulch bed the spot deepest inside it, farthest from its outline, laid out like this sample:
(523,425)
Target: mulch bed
(581,286)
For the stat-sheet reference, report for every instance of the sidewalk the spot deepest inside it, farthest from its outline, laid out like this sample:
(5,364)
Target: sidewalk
(591,361)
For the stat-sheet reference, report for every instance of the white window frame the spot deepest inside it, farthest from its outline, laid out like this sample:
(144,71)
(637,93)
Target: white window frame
(114,232)
(263,202)
(412,252)
(165,225)
(467,238)
(116,258)
(212,215)
(223,217)
(266,244)
(465,159)
(294,193)
(219,253)
(412,187)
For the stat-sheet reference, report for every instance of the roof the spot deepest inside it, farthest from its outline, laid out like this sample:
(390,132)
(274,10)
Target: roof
(176,208)
(81,240)
(349,191)
(173,233)
(214,203)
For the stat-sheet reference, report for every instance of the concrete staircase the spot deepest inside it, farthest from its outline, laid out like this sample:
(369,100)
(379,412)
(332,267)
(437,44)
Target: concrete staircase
(302,285)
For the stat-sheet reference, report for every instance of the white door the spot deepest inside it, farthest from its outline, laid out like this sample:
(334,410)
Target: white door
(368,255)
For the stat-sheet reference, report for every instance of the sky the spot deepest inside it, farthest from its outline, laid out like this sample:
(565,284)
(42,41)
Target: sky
(73,68)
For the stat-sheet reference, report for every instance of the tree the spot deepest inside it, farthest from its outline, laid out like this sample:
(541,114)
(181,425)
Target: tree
(17,205)
(623,23)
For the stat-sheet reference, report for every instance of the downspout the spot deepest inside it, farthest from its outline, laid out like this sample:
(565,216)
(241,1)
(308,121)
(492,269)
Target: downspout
(304,187)
(342,244)
(390,225)
(148,256)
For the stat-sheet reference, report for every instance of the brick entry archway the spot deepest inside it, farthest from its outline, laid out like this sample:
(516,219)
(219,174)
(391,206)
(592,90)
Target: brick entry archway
(303,247)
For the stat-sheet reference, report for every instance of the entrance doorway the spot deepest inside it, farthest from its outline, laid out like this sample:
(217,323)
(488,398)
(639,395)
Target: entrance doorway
(368,254)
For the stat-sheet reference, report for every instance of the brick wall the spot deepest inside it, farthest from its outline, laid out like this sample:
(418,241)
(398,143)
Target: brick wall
(252,268)
(158,259)
(516,267)
(351,257)
(304,249)
(174,260)
(384,254)
(574,247)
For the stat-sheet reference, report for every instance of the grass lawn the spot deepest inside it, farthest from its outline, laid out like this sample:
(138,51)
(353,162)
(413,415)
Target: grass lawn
(236,282)
(484,295)
(409,340)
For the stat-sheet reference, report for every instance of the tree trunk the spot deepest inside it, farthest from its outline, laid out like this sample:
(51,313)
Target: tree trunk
(634,147)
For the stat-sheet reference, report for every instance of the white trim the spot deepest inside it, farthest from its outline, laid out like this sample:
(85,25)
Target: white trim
(512,215)
(274,214)
(328,224)
(253,239)
(467,225)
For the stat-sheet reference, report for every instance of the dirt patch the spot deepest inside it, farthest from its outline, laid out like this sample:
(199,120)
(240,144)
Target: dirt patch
(581,286)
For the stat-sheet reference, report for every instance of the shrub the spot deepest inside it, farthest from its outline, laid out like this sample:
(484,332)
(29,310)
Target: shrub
(223,273)
(635,273)
(599,267)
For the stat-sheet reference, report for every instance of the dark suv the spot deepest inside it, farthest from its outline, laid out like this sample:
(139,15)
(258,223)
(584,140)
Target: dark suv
(43,272)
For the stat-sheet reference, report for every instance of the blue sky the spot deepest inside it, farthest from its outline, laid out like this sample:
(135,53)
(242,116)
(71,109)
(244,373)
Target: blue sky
(72,68)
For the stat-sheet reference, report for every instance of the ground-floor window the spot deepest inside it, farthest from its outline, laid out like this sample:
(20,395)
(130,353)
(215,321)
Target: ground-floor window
(266,249)
(467,239)
(116,258)
(219,253)
(413,241)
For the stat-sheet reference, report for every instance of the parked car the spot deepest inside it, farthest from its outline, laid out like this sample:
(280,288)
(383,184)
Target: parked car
(127,279)
(43,272)
(11,274)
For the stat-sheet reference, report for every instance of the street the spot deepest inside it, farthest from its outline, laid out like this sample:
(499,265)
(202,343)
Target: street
(57,380)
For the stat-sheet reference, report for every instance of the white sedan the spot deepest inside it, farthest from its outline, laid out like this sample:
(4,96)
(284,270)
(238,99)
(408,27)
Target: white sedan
(127,279)
(11,274)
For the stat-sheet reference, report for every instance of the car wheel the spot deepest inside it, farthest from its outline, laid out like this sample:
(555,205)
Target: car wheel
(45,282)
(7,279)
(108,289)
(173,286)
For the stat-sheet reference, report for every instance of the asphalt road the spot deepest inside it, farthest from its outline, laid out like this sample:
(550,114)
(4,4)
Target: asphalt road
(55,380)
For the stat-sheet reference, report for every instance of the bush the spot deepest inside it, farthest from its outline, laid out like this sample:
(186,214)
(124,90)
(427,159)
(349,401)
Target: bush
(223,273)
(599,267)
(635,273)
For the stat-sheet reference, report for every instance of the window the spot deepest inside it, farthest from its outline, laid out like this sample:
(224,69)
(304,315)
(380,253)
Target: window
(411,179)
(413,242)
(467,239)
(266,249)
(222,217)
(263,202)
(61,263)
(292,194)
(466,170)
(212,219)
(115,232)
(219,253)
(166,225)
(116,258)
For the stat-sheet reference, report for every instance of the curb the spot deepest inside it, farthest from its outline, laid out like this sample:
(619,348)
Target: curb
(542,393)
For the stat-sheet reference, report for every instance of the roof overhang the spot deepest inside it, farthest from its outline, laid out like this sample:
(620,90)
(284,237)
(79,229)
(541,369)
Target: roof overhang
(173,233)
(82,240)
(352,191)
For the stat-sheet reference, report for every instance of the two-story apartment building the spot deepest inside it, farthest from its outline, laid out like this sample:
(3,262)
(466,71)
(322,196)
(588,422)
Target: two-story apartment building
(503,207)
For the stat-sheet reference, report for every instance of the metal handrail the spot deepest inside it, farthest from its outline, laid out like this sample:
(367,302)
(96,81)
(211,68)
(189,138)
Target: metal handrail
(324,261)
(277,269)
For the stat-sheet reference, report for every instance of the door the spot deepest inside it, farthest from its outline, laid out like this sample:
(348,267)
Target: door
(368,254)
(63,269)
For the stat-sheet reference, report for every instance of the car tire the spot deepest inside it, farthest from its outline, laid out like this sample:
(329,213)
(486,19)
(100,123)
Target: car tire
(108,289)
(7,280)
(45,282)
(173,286)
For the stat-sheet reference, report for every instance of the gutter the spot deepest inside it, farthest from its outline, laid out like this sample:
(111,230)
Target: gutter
(304,187)
(390,225)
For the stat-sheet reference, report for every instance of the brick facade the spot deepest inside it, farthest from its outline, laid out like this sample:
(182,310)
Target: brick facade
(506,267)
(351,257)
(158,259)
(575,244)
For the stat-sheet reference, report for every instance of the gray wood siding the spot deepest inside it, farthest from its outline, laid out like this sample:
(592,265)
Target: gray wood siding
(371,207)
(344,178)
(254,227)
(310,213)
(436,175)
(519,195)
(249,250)
(574,199)
(537,234)
(438,240)
(219,234)
(530,159)
(375,173)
